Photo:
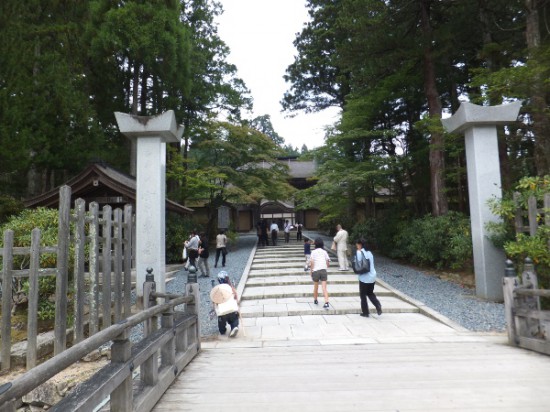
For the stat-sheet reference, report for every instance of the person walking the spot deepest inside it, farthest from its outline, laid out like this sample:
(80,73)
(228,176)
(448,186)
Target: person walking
(366,280)
(193,249)
(221,248)
(340,244)
(274,229)
(203,256)
(263,229)
(307,254)
(298,231)
(286,229)
(319,265)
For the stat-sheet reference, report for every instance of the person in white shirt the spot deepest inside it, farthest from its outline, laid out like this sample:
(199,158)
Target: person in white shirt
(274,229)
(319,265)
(193,248)
(228,312)
(287,228)
(341,242)
(221,247)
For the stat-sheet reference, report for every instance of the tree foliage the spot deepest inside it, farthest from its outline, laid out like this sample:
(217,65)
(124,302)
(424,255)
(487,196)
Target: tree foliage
(396,67)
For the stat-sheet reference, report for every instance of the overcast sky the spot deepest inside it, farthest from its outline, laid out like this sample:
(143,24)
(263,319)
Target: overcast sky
(260,35)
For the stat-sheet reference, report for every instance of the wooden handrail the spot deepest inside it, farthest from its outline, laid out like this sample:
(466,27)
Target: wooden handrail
(532,292)
(41,373)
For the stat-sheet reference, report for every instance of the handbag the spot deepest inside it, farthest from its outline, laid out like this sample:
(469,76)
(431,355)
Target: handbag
(333,247)
(363,266)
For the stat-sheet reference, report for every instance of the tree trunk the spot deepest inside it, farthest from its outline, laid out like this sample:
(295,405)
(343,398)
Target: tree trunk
(437,150)
(484,18)
(133,144)
(539,105)
(144,90)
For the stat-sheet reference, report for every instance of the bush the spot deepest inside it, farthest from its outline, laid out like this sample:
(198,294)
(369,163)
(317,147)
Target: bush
(520,246)
(47,221)
(9,206)
(442,242)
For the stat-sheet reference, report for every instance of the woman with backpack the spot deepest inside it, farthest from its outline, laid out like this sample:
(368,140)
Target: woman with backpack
(367,278)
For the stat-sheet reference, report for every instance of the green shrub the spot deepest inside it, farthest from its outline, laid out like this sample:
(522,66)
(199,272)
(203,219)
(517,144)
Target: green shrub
(9,206)
(22,224)
(520,246)
(442,242)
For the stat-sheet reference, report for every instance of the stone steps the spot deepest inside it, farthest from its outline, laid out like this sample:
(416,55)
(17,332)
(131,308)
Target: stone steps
(302,278)
(293,291)
(278,307)
(295,271)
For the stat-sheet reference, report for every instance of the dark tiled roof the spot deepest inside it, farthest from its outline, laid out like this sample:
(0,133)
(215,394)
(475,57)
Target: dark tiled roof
(99,175)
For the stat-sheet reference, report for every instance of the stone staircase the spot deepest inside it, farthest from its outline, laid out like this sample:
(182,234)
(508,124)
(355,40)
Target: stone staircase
(277,286)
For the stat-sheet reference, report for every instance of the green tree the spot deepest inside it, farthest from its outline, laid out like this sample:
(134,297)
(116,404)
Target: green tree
(231,162)
(263,124)
(48,127)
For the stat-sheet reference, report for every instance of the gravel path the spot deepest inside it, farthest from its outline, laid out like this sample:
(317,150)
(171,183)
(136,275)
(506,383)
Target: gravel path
(237,259)
(457,303)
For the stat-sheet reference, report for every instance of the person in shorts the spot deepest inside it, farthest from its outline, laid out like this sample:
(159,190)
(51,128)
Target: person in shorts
(319,265)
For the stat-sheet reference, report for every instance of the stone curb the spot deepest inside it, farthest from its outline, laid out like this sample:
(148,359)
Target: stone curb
(424,309)
(244,277)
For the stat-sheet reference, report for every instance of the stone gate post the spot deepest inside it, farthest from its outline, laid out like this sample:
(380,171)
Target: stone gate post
(479,125)
(151,134)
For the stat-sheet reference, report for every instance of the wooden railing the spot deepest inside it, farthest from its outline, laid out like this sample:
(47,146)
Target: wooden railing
(528,326)
(177,340)
(106,239)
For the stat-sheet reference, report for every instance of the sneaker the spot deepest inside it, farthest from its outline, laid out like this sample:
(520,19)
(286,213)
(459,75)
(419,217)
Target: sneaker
(379,311)
(316,301)
(326,306)
(365,315)
(234,332)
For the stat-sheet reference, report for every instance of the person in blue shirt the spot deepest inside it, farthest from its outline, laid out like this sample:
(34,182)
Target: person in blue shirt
(366,280)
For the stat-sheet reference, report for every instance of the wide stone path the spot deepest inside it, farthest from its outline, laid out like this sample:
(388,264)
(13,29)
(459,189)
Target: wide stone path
(293,355)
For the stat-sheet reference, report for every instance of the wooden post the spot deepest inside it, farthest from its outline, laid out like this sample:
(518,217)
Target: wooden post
(106,287)
(117,263)
(532,214)
(121,352)
(168,351)
(509,283)
(32,313)
(193,308)
(62,279)
(128,250)
(94,267)
(80,243)
(530,326)
(7,265)
(518,221)
(547,213)
(149,368)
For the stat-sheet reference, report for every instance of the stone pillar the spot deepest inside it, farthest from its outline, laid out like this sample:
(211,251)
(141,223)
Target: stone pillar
(478,123)
(151,134)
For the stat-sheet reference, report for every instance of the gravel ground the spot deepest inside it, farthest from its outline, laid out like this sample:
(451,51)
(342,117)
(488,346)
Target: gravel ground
(237,259)
(457,303)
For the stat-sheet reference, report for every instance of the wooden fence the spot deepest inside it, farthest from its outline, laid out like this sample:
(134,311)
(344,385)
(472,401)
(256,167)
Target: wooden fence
(177,341)
(533,213)
(528,326)
(107,242)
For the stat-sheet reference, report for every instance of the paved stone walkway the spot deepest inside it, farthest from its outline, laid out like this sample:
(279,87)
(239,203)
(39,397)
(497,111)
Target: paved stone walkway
(293,355)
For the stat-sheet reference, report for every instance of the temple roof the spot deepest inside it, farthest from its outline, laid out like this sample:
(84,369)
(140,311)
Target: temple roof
(101,183)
